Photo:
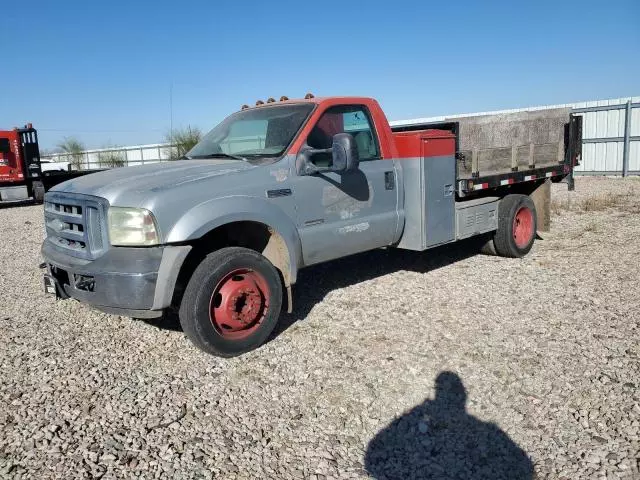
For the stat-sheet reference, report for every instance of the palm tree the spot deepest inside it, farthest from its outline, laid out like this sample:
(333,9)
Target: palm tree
(74,149)
(182,140)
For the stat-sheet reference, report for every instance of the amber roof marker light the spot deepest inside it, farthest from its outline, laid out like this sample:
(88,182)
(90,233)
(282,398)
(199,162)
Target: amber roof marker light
(283,98)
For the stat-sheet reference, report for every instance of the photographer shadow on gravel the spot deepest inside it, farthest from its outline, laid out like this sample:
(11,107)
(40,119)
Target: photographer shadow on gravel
(438,439)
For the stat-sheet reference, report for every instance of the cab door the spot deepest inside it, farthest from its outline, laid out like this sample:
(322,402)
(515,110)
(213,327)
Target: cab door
(339,214)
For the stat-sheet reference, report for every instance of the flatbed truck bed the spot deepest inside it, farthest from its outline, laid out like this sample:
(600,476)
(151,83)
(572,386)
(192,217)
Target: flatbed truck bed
(494,151)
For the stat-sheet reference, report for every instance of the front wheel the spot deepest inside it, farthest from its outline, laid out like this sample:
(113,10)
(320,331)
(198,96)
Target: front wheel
(232,302)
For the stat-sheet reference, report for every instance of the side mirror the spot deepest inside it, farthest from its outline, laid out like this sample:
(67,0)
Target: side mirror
(5,146)
(345,153)
(344,156)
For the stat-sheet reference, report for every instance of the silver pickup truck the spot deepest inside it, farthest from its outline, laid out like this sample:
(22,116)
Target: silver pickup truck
(222,234)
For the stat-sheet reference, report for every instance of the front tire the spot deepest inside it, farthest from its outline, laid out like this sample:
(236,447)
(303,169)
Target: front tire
(232,302)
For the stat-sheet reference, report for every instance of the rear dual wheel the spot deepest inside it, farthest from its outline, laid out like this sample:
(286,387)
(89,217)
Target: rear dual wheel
(232,302)
(516,226)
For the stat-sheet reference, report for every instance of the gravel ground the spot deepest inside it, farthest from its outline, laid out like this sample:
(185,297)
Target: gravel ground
(393,365)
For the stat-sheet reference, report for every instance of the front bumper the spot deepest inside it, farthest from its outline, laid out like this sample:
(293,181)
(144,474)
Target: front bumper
(134,282)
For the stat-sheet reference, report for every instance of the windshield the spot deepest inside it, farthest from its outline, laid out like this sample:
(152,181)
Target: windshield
(253,134)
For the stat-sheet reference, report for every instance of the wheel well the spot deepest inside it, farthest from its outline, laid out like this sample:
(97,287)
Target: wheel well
(248,234)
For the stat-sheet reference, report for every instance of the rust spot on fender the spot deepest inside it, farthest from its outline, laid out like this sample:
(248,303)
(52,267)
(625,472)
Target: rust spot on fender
(277,253)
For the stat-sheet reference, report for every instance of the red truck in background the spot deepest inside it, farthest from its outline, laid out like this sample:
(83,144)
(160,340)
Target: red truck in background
(21,173)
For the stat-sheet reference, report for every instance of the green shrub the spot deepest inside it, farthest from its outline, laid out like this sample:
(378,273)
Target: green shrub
(112,159)
(182,140)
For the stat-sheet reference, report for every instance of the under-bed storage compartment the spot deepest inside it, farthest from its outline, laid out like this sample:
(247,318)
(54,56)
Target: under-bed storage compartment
(477,216)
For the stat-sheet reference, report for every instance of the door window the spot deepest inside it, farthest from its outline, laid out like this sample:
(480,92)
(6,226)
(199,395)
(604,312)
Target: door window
(353,119)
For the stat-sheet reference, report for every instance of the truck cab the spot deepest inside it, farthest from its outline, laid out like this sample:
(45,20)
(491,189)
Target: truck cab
(220,235)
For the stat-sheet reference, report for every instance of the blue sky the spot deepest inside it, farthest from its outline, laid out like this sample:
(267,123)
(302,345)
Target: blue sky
(101,71)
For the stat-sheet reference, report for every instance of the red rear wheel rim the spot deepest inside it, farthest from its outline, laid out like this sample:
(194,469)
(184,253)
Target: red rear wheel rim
(523,227)
(239,303)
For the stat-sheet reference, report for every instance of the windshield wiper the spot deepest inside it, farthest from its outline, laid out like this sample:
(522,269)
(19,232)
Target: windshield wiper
(219,155)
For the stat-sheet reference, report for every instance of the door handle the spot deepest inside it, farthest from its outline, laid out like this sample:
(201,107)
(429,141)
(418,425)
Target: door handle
(389,181)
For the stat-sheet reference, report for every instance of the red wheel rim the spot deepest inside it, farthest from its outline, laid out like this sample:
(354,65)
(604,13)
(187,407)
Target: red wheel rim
(523,227)
(239,303)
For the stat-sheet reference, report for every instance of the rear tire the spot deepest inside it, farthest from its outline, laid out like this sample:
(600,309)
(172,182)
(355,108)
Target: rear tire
(232,302)
(516,226)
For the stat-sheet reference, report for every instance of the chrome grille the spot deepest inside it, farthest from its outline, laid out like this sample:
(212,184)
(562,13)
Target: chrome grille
(95,233)
(74,224)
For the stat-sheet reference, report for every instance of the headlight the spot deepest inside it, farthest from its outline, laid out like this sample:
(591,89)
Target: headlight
(132,227)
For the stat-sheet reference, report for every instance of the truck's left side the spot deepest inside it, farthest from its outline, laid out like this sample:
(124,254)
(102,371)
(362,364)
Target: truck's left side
(222,234)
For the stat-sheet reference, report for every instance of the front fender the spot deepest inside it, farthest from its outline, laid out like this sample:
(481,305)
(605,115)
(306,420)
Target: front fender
(211,214)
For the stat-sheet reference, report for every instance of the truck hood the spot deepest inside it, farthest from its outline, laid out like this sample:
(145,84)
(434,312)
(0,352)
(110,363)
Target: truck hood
(134,186)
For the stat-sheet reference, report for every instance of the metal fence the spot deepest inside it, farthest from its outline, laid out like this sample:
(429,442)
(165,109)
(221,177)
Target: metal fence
(610,137)
(141,154)
(115,157)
